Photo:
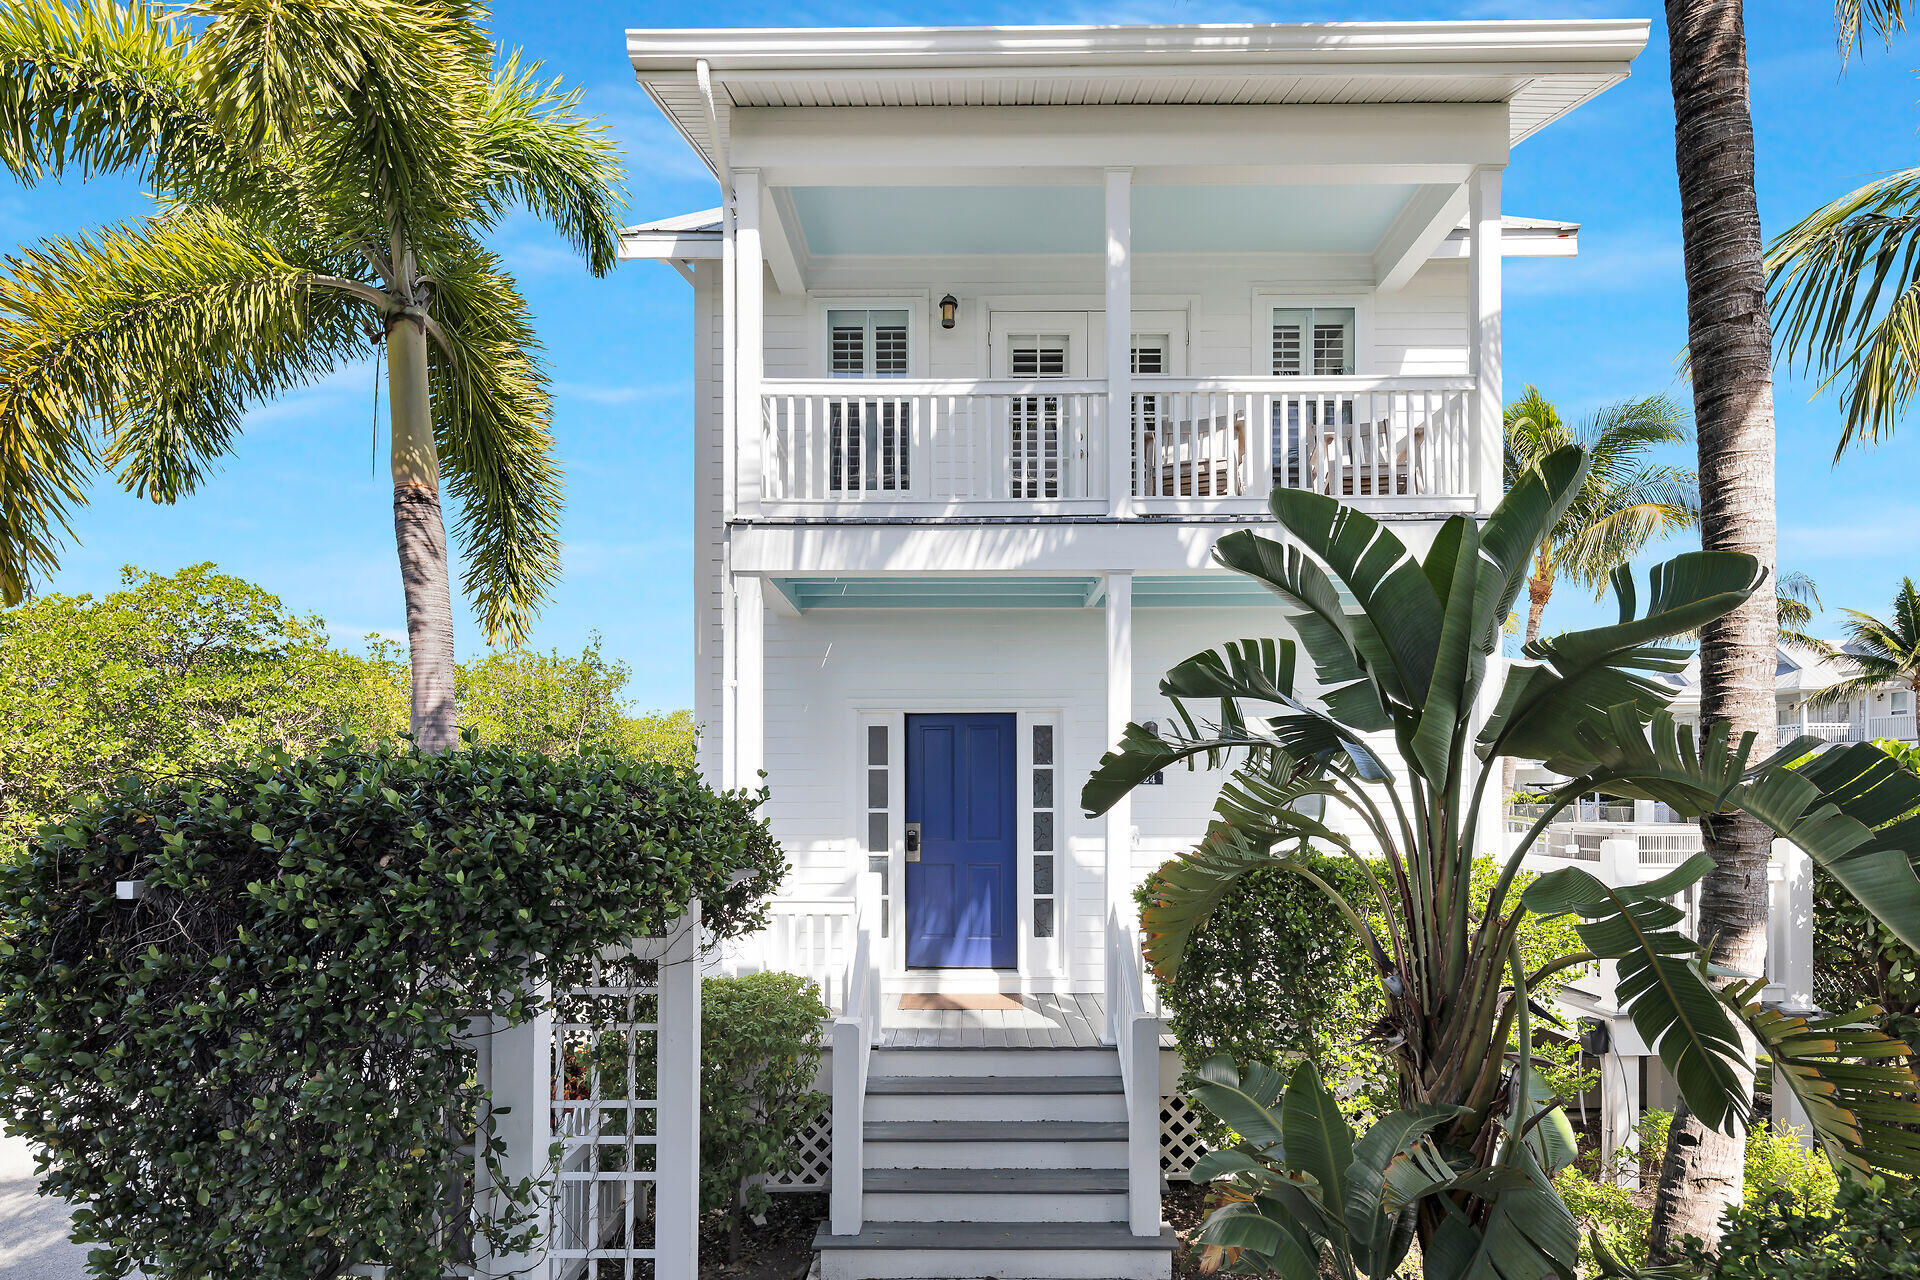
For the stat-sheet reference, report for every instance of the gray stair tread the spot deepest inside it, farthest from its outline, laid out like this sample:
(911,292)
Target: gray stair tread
(996,1130)
(1005,1181)
(995,1084)
(996,1235)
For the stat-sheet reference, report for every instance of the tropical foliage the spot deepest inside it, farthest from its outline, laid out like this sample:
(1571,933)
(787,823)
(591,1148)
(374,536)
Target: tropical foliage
(326,177)
(200,1065)
(174,675)
(1474,1142)
(1880,652)
(1872,1229)
(1626,501)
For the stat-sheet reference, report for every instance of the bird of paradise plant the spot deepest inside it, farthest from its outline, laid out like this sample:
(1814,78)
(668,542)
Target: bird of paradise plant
(1388,736)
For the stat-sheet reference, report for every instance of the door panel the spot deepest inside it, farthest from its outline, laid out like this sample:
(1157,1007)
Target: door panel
(960,903)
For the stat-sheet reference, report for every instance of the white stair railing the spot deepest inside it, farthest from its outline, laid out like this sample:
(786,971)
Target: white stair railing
(1135,1032)
(854,1032)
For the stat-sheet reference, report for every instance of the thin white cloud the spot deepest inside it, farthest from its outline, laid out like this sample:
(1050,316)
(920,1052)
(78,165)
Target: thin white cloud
(1888,533)
(1633,262)
(594,393)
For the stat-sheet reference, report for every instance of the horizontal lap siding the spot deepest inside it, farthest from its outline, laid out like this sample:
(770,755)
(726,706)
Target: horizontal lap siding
(824,667)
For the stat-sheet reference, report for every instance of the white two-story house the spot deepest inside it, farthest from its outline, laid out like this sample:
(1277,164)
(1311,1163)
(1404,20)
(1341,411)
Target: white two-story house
(997,332)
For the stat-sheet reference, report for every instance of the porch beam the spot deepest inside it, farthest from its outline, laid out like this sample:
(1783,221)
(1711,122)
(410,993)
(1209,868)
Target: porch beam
(777,244)
(1429,215)
(1118,437)
(750,286)
(1379,142)
(1483,304)
(1119,819)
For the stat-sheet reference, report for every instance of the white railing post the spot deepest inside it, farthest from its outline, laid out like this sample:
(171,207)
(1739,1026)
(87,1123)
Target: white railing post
(854,1032)
(676,1231)
(519,1060)
(1135,1033)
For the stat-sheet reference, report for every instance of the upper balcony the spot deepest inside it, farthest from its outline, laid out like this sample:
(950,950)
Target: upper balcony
(1030,274)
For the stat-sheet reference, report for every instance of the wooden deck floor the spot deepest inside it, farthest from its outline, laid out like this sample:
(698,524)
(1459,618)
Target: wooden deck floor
(1042,1022)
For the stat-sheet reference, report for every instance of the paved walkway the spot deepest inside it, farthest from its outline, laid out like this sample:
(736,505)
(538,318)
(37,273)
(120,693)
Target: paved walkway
(33,1227)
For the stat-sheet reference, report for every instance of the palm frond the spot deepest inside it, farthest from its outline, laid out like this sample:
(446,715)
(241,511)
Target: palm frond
(1853,19)
(540,153)
(491,409)
(1842,286)
(159,336)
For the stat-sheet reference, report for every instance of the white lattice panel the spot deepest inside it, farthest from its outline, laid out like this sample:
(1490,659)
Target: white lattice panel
(814,1172)
(1180,1145)
(605,1055)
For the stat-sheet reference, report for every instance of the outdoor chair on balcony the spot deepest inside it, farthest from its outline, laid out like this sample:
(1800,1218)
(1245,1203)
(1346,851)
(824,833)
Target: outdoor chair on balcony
(1361,459)
(1204,458)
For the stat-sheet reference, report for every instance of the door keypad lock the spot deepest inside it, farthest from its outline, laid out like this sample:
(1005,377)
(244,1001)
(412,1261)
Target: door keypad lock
(913,842)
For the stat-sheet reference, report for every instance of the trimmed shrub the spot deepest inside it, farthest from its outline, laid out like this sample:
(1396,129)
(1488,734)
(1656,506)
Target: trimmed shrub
(760,1041)
(260,1068)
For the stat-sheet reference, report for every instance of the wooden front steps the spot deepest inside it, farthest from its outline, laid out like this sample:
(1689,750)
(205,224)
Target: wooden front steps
(998,1163)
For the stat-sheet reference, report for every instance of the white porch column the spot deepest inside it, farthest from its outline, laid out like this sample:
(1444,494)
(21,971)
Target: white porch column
(516,1065)
(1620,1112)
(750,347)
(750,681)
(1119,433)
(1119,830)
(1483,304)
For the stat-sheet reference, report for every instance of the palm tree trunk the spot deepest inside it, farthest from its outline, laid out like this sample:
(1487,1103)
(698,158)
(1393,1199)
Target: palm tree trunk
(1731,345)
(421,536)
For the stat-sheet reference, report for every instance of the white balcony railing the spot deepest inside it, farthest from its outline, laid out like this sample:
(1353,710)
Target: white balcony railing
(835,445)
(890,441)
(1197,439)
(1898,726)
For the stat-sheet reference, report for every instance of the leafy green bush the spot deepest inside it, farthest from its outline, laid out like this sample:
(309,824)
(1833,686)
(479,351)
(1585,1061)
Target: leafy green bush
(760,1042)
(1276,975)
(258,1068)
(1872,1230)
(1778,1172)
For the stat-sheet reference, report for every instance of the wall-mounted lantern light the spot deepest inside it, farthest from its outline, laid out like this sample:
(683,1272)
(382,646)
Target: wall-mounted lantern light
(949,308)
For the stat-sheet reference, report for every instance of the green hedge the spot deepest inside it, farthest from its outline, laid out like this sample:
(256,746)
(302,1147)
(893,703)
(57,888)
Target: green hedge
(258,1069)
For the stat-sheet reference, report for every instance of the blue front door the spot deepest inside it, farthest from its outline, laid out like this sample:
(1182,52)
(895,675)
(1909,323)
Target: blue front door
(960,894)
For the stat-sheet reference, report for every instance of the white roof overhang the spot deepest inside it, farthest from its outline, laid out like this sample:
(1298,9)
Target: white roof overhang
(693,236)
(1540,69)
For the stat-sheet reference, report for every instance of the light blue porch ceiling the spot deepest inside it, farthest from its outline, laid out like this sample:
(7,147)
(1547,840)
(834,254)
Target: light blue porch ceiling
(986,591)
(896,221)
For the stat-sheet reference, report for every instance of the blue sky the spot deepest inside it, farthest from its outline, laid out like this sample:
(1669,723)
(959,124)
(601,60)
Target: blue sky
(299,509)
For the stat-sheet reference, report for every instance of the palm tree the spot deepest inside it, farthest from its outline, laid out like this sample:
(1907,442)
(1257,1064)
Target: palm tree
(1625,502)
(1730,344)
(325,176)
(1881,653)
(1845,279)
(1795,598)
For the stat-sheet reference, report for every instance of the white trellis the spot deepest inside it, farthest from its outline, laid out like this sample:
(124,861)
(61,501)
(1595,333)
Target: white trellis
(611,1080)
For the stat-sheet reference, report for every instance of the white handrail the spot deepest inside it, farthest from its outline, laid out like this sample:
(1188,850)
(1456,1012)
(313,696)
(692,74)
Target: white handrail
(854,1033)
(1136,1034)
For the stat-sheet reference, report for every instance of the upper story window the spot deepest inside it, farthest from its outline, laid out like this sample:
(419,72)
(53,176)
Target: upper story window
(1312,340)
(867,343)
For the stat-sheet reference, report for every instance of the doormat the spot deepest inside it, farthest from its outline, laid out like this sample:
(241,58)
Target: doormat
(941,1000)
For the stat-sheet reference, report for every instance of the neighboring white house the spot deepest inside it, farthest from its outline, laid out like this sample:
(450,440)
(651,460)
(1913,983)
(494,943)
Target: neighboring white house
(997,331)
(1801,675)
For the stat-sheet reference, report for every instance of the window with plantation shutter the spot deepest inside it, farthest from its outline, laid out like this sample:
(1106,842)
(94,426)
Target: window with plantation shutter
(1034,428)
(1312,341)
(869,444)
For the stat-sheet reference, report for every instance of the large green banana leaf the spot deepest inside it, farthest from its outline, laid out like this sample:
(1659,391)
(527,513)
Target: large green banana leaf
(1852,1079)
(1580,675)
(1853,808)
(1660,981)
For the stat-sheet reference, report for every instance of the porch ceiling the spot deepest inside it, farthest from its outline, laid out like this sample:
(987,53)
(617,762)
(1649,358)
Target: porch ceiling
(987,591)
(1053,219)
